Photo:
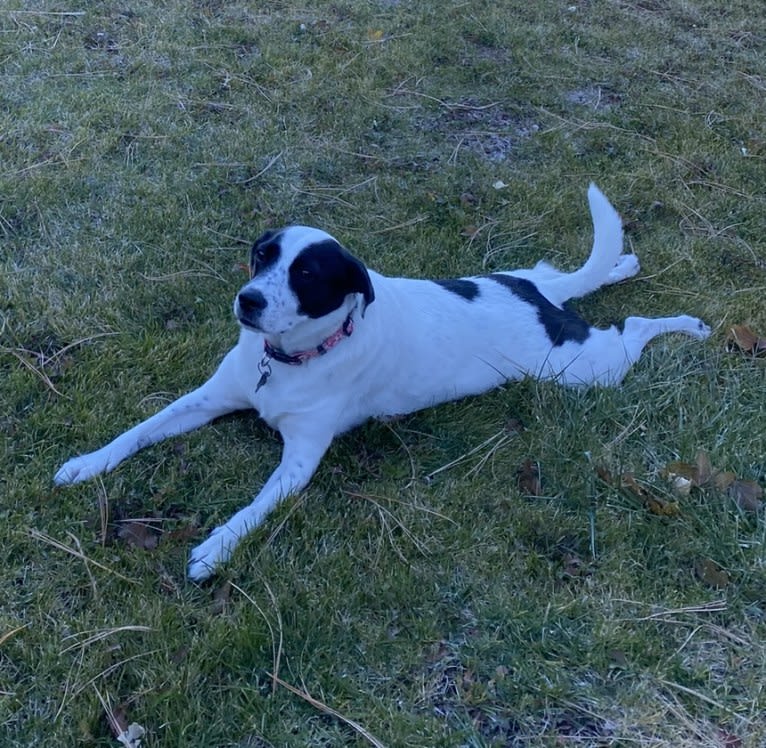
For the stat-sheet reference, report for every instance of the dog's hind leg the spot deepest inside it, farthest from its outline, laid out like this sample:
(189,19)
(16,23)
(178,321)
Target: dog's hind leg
(211,400)
(303,450)
(638,331)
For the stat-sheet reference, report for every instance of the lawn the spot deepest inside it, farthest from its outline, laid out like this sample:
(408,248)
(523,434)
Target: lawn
(534,567)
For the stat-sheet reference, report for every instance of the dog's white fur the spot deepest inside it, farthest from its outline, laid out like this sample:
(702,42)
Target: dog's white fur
(417,345)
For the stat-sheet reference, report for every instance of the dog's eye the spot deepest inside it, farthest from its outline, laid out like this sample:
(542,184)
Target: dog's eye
(306,273)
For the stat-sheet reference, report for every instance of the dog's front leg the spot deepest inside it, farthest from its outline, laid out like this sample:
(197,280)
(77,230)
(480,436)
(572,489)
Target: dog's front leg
(302,452)
(211,400)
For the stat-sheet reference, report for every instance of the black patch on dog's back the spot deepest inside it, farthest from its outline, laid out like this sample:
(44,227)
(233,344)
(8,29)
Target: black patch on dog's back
(561,325)
(466,289)
(323,274)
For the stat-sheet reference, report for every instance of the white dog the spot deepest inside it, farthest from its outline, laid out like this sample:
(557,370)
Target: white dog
(317,357)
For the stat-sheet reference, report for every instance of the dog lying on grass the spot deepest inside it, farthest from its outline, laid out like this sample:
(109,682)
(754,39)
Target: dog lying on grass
(326,343)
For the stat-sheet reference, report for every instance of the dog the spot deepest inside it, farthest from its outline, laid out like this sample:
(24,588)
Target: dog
(325,344)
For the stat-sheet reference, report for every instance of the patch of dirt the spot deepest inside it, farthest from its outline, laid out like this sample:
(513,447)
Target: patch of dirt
(597,98)
(488,131)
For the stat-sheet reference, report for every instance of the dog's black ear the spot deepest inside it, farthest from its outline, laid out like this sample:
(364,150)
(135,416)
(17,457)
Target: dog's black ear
(359,281)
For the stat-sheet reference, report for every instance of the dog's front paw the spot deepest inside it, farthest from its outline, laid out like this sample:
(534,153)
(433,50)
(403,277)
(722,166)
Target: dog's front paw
(626,267)
(81,468)
(205,559)
(698,329)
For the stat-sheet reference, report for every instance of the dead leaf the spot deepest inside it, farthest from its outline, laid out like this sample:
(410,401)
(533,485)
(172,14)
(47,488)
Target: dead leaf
(654,504)
(605,475)
(704,468)
(722,480)
(574,567)
(138,534)
(514,426)
(747,495)
(375,35)
(528,478)
(711,573)
(182,534)
(743,337)
(695,475)
(221,599)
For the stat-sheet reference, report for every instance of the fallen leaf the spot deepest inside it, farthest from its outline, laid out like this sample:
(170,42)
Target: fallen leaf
(697,474)
(743,337)
(711,573)
(605,475)
(375,35)
(499,184)
(514,426)
(704,468)
(138,534)
(654,504)
(182,534)
(221,599)
(723,480)
(747,495)
(574,567)
(528,478)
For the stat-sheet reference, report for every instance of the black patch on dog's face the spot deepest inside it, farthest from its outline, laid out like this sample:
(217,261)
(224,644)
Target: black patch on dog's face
(466,289)
(323,274)
(561,325)
(265,252)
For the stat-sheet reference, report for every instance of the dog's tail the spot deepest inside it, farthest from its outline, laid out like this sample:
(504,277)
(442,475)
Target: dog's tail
(607,247)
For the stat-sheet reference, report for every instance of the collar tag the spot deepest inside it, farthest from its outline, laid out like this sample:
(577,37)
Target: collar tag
(264,368)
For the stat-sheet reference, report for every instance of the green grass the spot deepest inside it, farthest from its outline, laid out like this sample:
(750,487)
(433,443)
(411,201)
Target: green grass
(143,147)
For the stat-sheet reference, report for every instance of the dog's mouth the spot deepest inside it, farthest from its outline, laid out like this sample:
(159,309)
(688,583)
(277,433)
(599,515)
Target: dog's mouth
(248,325)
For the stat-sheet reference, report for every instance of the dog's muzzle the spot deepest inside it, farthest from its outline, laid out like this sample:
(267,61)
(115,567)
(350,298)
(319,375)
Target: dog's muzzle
(248,307)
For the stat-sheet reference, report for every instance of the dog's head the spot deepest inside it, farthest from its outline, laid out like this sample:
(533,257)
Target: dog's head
(300,274)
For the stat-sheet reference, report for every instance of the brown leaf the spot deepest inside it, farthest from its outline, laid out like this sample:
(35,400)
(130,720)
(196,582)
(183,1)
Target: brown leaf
(704,468)
(711,573)
(697,474)
(605,475)
(743,337)
(138,534)
(528,478)
(723,480)
(654,504)
(221,599)
(747,495)
(182,534)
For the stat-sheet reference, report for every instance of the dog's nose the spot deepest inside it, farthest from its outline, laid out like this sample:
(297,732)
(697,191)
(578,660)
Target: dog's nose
(251,301)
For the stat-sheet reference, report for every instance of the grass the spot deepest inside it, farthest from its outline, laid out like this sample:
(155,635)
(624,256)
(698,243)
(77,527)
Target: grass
(142,148)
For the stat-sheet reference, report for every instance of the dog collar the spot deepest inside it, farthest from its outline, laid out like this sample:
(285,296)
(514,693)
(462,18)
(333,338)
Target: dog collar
(296,359)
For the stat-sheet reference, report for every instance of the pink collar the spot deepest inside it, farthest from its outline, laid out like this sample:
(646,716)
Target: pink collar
(296,359)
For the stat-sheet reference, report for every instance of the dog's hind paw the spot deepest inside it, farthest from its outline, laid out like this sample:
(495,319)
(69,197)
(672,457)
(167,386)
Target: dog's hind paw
(205,559)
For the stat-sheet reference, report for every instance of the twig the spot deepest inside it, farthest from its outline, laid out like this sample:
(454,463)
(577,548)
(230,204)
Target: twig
(37,535)
(99,635)
(329,710)
(276,647)
(499,435)
(8,634)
